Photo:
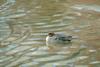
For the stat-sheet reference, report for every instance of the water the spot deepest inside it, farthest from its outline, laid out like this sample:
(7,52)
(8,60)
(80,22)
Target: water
(24,26)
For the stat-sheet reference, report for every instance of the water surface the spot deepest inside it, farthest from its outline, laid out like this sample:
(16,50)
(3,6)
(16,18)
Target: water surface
(25,24)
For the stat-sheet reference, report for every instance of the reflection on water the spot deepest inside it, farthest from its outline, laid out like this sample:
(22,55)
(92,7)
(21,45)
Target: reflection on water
(25,24)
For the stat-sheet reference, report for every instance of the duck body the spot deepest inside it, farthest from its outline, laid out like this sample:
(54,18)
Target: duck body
(57,39)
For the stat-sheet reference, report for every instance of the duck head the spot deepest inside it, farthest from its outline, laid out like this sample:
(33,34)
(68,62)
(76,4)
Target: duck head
(51,34)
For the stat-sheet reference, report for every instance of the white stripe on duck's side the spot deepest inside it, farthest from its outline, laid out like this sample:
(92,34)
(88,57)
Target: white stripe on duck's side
(56,39)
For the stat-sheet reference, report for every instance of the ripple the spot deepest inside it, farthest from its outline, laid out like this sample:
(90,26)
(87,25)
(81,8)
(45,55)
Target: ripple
(22,59)
(18,49)
(95,62)
(30,42)
(87,7)
(30,64)
(16,15)
(17,35)
(4,31)
(7,5)
(51,58)
(52,26)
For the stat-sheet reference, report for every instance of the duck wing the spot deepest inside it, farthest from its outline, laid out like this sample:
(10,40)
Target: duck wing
(68,38)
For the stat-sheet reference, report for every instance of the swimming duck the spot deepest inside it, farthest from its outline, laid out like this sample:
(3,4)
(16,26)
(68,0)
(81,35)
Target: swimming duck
(57,39)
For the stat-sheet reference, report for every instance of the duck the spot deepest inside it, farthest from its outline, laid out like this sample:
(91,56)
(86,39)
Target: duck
(54,39)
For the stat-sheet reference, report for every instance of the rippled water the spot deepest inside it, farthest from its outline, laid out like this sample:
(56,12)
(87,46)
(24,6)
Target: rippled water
(25,24)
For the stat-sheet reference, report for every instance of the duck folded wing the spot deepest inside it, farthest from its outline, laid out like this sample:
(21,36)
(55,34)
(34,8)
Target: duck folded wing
(68,38)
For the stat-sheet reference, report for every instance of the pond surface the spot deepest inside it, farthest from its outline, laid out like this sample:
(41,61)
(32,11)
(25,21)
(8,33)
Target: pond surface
(24,25)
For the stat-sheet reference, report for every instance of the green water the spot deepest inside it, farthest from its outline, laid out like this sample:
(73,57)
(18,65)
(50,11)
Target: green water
(24,25)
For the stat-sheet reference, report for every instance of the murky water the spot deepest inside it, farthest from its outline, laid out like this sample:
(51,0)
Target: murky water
(24,25)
